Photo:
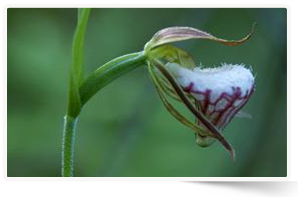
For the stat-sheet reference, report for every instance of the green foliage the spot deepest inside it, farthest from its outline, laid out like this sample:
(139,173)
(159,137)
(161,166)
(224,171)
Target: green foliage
(76,72)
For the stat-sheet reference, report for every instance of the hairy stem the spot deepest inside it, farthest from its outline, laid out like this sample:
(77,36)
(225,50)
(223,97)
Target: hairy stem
(74,102)
(96,80)
(68,146)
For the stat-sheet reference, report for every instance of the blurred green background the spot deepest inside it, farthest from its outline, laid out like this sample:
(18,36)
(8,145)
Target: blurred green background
(125,130)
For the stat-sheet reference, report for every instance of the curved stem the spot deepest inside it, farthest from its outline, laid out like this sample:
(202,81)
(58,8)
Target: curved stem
(68,146)
(109,72)
(97,80)
(80,90)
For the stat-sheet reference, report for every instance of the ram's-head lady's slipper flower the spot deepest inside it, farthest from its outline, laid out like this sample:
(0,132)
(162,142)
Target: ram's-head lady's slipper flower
(220,92)
(213,95)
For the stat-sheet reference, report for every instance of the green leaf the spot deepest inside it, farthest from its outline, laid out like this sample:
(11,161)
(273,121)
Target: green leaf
(78,44)
(76,72)
(80,11)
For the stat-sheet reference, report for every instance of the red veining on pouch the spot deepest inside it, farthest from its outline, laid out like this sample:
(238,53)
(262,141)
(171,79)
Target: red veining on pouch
(228,112)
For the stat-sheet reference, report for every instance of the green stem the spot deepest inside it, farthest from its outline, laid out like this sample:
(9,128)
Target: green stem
(80,90)
(97,80)
(74,101)
(109,72)
(68,146)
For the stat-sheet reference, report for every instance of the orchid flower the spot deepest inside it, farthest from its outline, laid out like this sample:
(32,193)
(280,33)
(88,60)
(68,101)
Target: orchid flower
(213,95)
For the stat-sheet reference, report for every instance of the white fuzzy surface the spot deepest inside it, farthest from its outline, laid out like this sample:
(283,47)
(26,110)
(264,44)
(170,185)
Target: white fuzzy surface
(218,80)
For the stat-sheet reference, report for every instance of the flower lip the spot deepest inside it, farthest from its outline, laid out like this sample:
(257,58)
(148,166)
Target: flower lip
(219,80)
(221,92)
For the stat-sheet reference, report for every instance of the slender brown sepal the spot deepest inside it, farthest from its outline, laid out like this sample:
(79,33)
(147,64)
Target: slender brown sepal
(176,114)
(214,131)
(176,34)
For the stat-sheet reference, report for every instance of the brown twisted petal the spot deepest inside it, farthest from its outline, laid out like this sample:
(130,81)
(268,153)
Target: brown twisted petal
(176,34)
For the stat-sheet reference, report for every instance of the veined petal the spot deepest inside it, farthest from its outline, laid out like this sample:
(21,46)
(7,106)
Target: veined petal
(176,34)
(221,92)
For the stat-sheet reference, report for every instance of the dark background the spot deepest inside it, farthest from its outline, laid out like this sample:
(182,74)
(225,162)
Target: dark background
(124,130)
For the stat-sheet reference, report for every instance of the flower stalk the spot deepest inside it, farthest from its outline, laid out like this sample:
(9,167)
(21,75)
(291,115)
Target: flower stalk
(108,72)
(74,101)
(68,146)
